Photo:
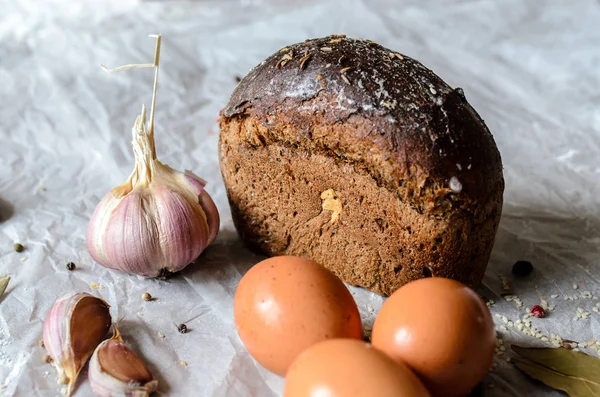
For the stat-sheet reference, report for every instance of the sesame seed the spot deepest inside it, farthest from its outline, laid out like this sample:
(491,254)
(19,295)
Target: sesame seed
(326,49)
(554,296)
(575,286)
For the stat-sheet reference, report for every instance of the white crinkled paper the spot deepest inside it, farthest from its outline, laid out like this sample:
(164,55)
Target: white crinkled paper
(531,69)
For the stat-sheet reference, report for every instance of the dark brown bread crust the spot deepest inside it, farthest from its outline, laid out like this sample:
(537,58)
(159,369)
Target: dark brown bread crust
(414,168)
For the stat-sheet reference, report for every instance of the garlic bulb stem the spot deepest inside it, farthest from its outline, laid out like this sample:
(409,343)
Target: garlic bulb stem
(154,87)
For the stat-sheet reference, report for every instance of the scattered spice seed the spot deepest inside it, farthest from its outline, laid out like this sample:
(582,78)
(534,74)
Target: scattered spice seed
(335,41)
(183,363)
(70,266)
(47,359)
(341,59)
(319,77)
(522,268)
(96,286)
(538,311)
(344,70)
(41,343)
(18,247)
(161,335)
(284,49)
(238,79)
(182,328)
(326,49)
(346,79)
(146,296)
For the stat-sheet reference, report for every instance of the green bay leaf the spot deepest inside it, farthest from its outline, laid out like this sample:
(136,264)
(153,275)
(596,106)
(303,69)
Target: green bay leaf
(567,362)
(572,385)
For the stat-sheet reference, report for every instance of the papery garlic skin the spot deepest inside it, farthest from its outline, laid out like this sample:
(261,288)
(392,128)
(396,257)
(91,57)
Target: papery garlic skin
(115,370)
(73,328)
(157,222)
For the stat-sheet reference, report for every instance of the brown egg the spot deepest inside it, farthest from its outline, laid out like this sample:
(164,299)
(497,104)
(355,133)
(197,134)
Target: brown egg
(349,368)
(286,304)
(442,330)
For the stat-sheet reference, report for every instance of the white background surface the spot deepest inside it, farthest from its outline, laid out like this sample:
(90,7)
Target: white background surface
(530,68)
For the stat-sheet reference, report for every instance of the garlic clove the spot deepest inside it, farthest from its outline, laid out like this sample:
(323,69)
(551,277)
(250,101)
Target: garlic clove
(115,370)
(183,228)
(75,325)
(206,202)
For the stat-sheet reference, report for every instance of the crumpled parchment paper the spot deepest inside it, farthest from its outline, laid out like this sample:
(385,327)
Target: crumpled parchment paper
(531,69)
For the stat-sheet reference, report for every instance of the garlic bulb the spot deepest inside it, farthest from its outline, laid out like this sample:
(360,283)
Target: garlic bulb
(115,370)
(160,219)
(75,325)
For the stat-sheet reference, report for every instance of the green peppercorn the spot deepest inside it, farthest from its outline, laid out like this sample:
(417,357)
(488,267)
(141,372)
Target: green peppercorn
(18,247)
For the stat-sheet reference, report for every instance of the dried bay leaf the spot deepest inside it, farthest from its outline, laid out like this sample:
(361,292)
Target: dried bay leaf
(575,373)
(3,283)
(565,361)
(573,386)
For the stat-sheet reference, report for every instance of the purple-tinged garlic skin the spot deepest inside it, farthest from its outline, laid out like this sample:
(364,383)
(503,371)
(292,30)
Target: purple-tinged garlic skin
(157,222)
(116,370)
(74,327)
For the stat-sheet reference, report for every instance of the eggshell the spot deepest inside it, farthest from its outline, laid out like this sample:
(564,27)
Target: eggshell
(442,330)
(350,368)
(286,304)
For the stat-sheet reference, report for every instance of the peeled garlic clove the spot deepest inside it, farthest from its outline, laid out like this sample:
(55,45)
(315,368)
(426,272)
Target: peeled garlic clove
(157,222)
(75,325)
(115,370)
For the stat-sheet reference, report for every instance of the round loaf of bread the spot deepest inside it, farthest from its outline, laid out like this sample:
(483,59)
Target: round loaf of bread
(362,159)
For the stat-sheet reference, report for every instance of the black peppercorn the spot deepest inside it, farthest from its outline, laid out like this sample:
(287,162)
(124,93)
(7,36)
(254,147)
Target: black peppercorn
(522,268)
(182,328)
(70,266)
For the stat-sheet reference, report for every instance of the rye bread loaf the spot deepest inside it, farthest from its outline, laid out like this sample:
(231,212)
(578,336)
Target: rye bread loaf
(363,160)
